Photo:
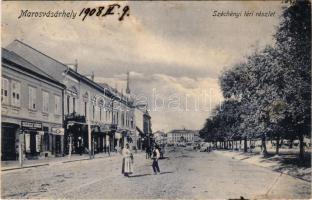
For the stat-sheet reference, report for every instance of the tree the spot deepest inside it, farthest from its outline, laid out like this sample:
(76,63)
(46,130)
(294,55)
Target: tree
(293,41)
(270,93)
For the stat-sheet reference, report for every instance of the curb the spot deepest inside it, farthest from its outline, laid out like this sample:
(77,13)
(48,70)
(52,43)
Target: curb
(50,164)
(58,162)
(281,172)
(25,167)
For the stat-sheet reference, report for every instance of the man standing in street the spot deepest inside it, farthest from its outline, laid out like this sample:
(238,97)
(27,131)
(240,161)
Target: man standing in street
(155,158)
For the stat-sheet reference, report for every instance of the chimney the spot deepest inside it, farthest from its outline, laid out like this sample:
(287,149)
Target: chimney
(128,83)
(76,65)
(92,76)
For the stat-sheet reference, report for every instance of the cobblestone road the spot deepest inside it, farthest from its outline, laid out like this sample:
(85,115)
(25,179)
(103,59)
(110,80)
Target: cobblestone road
(184,174)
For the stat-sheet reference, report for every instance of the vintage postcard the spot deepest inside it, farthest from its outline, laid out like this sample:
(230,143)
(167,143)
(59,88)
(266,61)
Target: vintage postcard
(156,99)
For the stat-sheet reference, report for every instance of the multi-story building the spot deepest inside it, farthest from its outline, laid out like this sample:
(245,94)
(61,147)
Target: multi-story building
(181,136)
(139,122)
(88,106)
(32,110)
(160,137)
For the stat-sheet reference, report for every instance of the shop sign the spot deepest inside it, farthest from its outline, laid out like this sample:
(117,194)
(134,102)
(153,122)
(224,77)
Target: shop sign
(117,135)
(31,125)
(38,143)
(27,143)
(104,128)
(40,132)
(58,131)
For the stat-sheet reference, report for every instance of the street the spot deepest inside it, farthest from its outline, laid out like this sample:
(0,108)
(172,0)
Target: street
(184,174)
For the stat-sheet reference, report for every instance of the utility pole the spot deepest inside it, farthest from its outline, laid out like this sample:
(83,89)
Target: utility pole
(89,133)
(113,135)
(70,146)
(93,147)
(20,149)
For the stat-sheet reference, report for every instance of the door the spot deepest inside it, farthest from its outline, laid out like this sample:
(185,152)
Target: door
(57,144)
(8,151)
(33,145)
(46,138)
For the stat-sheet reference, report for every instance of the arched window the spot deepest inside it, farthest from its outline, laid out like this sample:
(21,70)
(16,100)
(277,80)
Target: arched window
(85,97)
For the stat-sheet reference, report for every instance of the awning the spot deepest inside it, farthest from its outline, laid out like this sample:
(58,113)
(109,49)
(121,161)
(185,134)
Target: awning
(58,131)
(118,135)
(139,130)
(104,128)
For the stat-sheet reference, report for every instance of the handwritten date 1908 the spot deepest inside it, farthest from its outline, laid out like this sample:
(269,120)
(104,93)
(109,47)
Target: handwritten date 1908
(103,11)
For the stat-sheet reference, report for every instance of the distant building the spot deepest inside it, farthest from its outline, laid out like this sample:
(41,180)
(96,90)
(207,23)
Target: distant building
(181,136)
(160,137)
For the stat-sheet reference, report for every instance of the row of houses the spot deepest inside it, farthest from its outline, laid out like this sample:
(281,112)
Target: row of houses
(49,109)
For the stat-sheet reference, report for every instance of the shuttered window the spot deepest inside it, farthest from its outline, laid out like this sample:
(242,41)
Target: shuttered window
(16,93)
(45,101)
(32,98)
(57,100)
(4,91)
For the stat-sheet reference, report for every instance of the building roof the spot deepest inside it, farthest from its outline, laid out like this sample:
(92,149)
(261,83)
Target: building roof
(16,60)
(48,64)
(183,131)
(55,68)
(51,66)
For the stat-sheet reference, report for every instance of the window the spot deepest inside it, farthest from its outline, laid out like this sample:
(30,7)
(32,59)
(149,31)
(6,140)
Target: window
(4,91)
(45,101)
(85,109)
(122,119)
(68,104)
(16,91)
(57,100)
(132,126)
(100,113)
(74,104)
(32,98)
(93,112)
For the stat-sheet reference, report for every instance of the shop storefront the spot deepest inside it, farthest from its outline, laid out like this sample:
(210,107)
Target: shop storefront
(76,134)
(118,140)
(100,134)
(32,133)
(122,137)
(9,141)
(58,141)
(77,137)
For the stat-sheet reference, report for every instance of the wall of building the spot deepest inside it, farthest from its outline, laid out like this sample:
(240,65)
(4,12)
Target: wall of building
(23,111)
(16,108)
(175,137)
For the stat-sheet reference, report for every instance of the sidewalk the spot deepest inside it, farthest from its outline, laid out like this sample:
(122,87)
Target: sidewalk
(284,163)
(13,165)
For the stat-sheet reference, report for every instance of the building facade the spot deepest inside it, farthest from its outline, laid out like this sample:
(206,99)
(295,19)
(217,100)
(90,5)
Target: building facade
(139,122)
(160,137)
(181,136)
(32,110)
(88,106)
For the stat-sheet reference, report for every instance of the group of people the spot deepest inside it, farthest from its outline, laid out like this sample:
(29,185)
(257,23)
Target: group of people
(128,160)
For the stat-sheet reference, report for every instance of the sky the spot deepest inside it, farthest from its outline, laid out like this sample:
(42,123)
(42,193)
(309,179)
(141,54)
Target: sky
(174,51)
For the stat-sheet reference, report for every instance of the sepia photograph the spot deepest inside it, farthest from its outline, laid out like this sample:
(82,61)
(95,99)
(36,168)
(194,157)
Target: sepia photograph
(156,99)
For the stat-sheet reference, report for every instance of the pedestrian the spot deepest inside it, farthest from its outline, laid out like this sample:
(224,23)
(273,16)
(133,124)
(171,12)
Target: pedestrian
(148,153)
(127,161)
(80,145)
(155,159)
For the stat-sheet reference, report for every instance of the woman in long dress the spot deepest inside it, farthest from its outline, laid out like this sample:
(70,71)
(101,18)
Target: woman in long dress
(127,161)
